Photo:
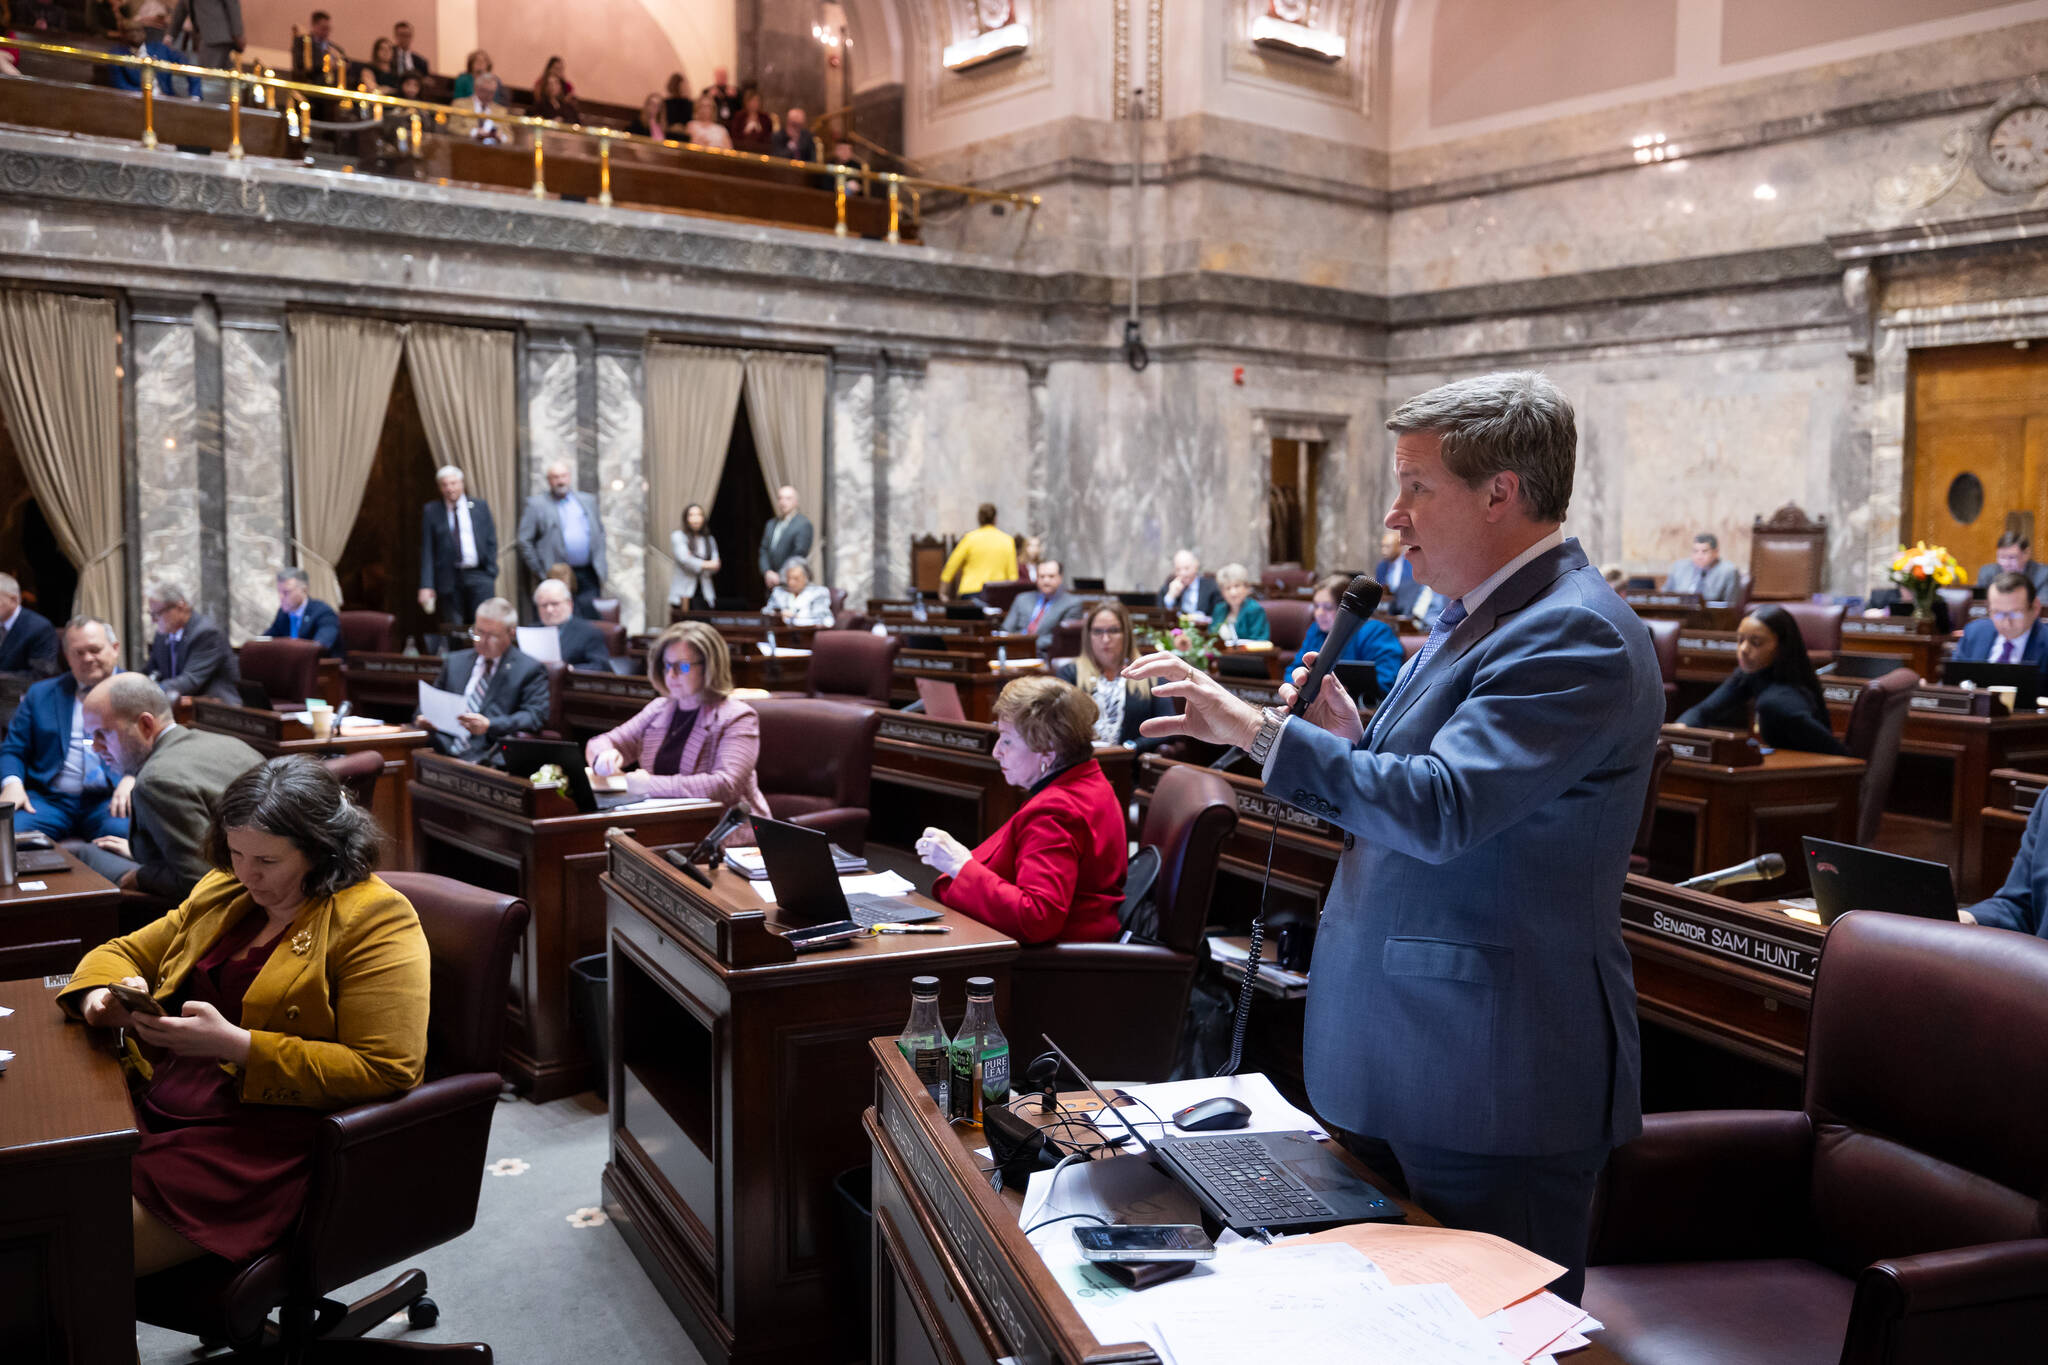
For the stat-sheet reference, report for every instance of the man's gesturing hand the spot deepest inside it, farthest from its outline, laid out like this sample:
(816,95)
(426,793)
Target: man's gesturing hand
(1208,712)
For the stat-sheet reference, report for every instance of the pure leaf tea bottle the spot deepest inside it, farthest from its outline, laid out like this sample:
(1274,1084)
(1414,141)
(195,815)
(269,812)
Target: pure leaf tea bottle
(924,1042)
(981,1055)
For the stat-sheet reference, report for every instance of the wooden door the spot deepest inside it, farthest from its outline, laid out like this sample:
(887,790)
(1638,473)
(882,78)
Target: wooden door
(1978,447)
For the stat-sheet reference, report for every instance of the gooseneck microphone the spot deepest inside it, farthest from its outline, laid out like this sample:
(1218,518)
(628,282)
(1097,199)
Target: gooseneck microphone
(1761,868)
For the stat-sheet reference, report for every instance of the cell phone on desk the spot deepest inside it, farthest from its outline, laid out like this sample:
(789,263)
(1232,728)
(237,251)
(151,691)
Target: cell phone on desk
(137,1002)
(34,838)
(823,935)
(1144,1242)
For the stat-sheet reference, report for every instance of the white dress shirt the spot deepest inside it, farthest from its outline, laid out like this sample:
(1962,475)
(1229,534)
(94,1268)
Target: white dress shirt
(466,534)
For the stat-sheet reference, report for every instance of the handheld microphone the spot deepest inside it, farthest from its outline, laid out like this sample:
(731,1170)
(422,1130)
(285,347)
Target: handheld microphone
(1361,599)
(1761,868)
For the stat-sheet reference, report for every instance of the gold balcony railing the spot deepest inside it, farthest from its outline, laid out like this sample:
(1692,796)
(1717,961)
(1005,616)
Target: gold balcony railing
(297,109)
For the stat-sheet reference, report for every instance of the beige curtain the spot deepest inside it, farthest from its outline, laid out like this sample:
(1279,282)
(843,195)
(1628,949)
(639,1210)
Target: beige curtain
(341,373)
(61,395)
(786,404)
(693,394)
(463,377)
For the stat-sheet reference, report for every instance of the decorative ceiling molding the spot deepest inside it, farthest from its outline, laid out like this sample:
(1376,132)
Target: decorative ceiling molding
(939,25)
(1348,28)
(1120,58)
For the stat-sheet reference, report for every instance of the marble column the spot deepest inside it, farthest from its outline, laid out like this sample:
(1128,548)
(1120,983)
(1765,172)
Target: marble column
(855,510)
(1038,504)
(257,463)
(163,352)
(620,427)
(552,429)
(899,469)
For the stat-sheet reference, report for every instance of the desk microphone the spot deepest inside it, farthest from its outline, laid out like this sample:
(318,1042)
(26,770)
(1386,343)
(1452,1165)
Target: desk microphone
(1761,868)
(1361,599)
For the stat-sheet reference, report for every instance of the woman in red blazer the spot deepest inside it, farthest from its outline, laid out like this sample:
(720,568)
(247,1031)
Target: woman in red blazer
(1055,870)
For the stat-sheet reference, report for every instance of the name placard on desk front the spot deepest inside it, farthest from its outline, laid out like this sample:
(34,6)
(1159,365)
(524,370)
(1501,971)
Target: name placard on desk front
(966,737)
(1736,942)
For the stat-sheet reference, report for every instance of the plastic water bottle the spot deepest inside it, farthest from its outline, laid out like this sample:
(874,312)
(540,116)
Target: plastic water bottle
(981,1055)
(1002,656)
(771,641)
(925,1045)
(917,607)
(412,650)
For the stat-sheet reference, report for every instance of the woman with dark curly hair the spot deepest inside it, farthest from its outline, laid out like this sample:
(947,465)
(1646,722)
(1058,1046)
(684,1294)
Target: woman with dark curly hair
(293,982)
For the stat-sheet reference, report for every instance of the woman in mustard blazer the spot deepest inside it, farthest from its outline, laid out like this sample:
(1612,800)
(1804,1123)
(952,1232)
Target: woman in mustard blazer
(294,983)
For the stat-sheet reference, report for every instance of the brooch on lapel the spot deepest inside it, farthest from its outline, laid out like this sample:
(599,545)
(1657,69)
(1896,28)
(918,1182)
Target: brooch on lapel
(302,942)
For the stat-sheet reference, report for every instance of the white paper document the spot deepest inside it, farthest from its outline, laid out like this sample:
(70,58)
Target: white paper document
(541,642)
(872,883)
(1270,1113)
(1398,1326)
(443,710)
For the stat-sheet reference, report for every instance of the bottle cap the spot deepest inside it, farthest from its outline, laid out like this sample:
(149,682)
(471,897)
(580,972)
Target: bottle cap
(924,985)
(981,985)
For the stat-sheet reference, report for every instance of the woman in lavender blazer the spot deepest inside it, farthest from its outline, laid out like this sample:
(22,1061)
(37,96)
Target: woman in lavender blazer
(693,739)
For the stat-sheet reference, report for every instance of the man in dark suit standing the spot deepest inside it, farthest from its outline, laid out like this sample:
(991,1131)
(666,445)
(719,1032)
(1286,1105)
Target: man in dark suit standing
(2013,631)
(1487,1035)
(580,643)
(406,62)
(179,773)
(1040,613)
(28,642)
(1190,591)
(302,617)
(787,537)
(504,690)
(458,550)
(560,526)
(189,655)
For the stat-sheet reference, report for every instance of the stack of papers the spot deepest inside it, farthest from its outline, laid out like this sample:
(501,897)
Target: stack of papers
(871,883)
(1237,950)
(762,645)
(1270,1112)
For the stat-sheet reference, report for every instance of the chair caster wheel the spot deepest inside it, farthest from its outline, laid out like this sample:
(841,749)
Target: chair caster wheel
(422,1313)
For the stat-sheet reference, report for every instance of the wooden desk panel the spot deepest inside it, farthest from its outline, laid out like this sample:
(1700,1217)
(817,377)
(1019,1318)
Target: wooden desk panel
(738,1078)
(67,1275)
(1738,813)
(387,685)
(493,830)
(45,933)
(979,684)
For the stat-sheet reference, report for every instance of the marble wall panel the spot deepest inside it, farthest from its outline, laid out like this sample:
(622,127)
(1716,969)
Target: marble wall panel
(551,427)
(968,443)
(622,490)
(903,507)
(258,512)
(166,453)
(852,565)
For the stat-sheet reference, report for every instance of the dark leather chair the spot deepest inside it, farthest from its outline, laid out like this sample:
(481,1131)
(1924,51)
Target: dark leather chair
(849,666)
(289,670)
(369,632)
(614,637)
(1282,579)
(1118,1008)
(1066,639)
(1001,595)
(1664,642)
(607,608)
(358,772)
(1896,1218)
(1411,644)
(1639,857)
(558,680)
(390,1179)
(1958,600)
(816,761)
(1820,625)
(1289,619)
(1876,723)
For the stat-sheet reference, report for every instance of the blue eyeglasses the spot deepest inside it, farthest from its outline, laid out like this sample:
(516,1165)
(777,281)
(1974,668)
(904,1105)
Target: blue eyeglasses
(675,666)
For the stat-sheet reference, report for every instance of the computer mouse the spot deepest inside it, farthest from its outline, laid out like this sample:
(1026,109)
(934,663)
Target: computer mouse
(1220,1111)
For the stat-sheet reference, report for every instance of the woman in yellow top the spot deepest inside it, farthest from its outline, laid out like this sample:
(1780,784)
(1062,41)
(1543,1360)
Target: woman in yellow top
(984,555)
(294,983)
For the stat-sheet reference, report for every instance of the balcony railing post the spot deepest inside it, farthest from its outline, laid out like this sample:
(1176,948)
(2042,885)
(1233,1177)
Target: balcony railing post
(235,152)
(149,104)
(604,171)
(895,207)
(839,205)
(540,184)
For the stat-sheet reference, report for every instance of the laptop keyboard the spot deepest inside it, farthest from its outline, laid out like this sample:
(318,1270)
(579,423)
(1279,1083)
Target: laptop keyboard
(867,910)
(1242,1172)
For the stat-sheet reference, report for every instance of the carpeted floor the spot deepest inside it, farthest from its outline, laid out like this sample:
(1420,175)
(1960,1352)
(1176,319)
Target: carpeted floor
(539,1287)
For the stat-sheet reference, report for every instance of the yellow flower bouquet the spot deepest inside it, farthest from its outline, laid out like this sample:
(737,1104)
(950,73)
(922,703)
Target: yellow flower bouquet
(1921,570)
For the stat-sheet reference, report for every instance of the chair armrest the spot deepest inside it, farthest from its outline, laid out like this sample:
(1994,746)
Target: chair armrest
(1987,1302)
(1707,1185)
(1135,958)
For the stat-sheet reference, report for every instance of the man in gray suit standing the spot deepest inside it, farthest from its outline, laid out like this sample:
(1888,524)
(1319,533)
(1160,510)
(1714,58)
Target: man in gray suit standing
(216,30)
(1472,1002)
(560,526)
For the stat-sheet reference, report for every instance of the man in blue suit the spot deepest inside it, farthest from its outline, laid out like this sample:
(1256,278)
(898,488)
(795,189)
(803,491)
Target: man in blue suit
(28,642)
(2012,632)
(48,770)
(2022,903)
(301,616)
(1472,1002)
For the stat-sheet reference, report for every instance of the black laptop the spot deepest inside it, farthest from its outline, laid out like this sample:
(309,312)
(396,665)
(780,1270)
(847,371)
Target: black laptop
(799,864)
(1282,1182)
(2024,679)
(254,695)
(525,757)
(1865,666)
(965,611)
(1845,877)
(1137,599)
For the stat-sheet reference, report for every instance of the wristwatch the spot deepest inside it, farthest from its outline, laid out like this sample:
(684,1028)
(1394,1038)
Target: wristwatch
(1270,722)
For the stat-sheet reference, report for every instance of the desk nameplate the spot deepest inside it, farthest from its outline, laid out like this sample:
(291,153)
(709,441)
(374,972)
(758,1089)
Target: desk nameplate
(1257,693)
(1888,628)
(270,727)
(1736,943)
(1259,806)
(513,795)
(662,896)
(1708,644)
(1953,701)
(593,683)
(960,737)
(420,665)
(928,661)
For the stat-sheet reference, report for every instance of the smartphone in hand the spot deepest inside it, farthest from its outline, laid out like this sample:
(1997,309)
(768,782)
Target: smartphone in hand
(137,1002)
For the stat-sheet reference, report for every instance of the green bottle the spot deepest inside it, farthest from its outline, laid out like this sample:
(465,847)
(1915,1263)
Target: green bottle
(981,1055)
(925,1045)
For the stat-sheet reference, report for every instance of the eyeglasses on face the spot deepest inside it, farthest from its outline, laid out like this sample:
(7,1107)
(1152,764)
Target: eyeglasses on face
(1105,632)
(2008,616)
(675,666)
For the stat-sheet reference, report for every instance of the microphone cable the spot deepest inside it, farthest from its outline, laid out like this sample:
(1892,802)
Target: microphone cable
(1242,1015)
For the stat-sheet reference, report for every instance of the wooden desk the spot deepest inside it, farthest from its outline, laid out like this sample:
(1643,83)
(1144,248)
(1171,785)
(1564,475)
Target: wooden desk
(978,683)
(67,1277)
(1711,816)
(743,627)
(493,830)
(269,733)
(2002,822)
(954,1278)
(44,933)
(944,773)
(1900,636)
(739,1073)
(387,685)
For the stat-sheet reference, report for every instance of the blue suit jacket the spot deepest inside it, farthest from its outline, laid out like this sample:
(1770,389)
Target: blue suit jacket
(39,733)
(31,646)
(317,622)
(2021,902)
(1470,987)
(1981,637)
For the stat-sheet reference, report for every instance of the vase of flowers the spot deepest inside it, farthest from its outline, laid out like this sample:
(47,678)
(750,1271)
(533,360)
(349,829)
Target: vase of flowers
(1195,643)
(1923,569)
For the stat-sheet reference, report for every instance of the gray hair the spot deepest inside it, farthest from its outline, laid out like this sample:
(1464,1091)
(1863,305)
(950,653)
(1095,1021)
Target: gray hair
(1230,575)
(9,585)
(552,465)
(1708,539)
(561,589)
(167,595)
(80,621)
(293,574)
(499,610)
(445,470)
(131,694)
(1513,422)
(798,562)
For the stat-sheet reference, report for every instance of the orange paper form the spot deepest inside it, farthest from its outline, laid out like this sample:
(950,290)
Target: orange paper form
(1487,1272)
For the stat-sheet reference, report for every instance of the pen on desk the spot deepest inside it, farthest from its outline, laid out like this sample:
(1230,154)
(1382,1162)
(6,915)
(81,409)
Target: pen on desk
(911,929)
